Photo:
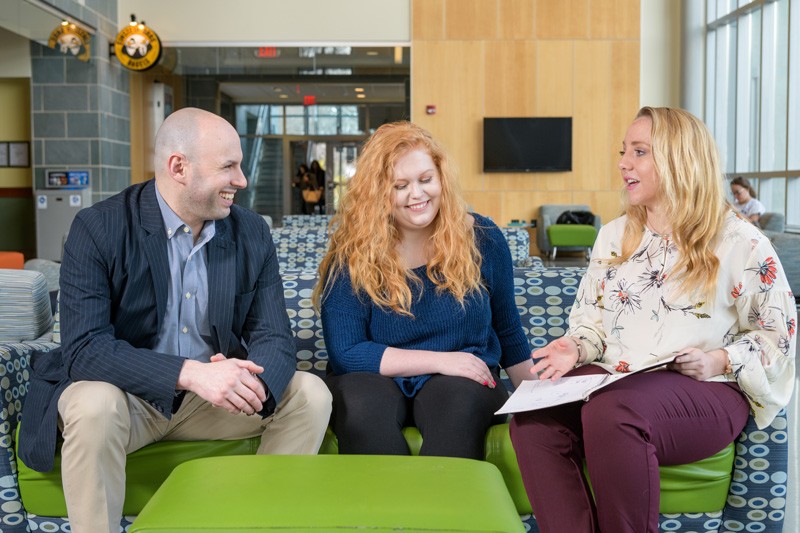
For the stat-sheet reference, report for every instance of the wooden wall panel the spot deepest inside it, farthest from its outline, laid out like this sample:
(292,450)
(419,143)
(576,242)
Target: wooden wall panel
(470,19)
(517,19)
(486,203)
(427,19)
(510,82)
(607,204)
(449,75)
(614,19)
(590,150)
(485,63)
(554,78)
(624,97)
(562,19)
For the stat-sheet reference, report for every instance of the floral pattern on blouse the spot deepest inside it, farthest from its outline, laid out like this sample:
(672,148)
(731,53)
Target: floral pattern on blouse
(630,315)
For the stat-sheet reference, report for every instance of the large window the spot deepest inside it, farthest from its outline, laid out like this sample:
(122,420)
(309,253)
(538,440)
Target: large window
(752,100)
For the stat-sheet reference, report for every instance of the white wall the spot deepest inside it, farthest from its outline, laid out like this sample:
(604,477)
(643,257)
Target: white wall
(15,55)
(660,57)
(268,22)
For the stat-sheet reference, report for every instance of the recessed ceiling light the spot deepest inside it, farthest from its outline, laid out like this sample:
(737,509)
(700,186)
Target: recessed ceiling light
(361,95)
(277,89)
(372,53)
(283,96)
(359,89)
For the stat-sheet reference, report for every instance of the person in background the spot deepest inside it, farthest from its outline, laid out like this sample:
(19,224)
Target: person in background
(312,193)
(665,280)
(297,189)
(417,305)
(319,174)
(174,327)
(744,196)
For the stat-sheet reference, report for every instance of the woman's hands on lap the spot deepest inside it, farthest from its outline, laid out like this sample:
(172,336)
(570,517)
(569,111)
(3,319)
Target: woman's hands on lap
(466,365)
(700,365)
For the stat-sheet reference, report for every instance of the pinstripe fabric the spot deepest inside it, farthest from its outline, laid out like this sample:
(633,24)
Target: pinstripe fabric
(114,279)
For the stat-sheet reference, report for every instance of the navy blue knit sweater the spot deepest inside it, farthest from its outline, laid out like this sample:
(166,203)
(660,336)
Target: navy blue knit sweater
(357,332)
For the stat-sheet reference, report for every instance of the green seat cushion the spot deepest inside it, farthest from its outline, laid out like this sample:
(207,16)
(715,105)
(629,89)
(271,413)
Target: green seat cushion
(146,470)
(331,493)
(571,234)
(692,488)
(698,487)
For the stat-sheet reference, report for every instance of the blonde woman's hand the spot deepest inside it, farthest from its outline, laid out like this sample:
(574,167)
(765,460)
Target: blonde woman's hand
(555,359)
(700,365)
(466,365)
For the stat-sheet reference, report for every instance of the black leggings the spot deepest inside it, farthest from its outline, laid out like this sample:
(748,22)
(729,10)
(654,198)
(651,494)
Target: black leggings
(451,413)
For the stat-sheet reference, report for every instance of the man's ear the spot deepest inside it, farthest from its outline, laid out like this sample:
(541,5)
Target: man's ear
(177,166)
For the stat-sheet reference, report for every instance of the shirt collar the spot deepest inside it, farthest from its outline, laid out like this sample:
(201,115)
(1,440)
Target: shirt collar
(172,222)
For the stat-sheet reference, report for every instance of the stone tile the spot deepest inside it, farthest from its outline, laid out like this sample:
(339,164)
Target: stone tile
(82,125)
(49,125)
(66,153)
(47,70)
(81,72)
(65,98)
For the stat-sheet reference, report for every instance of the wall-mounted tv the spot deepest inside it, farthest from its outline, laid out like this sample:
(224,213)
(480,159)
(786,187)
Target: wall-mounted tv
(527,144)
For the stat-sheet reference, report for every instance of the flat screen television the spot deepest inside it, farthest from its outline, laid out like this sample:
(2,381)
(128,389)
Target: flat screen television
(528,144)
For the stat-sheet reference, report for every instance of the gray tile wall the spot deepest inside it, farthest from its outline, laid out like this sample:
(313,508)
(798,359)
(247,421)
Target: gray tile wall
(81,111)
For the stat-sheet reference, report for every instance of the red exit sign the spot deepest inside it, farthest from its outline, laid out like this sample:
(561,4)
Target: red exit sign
(267,51)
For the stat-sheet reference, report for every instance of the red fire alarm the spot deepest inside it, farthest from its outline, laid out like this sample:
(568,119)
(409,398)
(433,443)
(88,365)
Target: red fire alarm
(309,99)
(430,109)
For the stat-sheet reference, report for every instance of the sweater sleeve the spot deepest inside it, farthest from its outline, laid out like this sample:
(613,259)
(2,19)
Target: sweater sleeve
(345,325)
(499,275)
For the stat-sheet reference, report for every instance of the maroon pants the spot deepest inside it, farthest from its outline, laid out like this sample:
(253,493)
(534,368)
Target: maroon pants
(623,432)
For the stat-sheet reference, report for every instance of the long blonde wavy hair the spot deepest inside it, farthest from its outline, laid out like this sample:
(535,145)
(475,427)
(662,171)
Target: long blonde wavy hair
(692,194)
(364,239)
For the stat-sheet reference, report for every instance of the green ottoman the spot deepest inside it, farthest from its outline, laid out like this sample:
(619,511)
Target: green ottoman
(330,493)
(581,235)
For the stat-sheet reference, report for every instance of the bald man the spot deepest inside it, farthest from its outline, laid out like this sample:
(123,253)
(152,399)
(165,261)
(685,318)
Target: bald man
(173,326)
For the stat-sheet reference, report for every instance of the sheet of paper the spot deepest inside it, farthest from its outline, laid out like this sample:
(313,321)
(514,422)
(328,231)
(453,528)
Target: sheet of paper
(535,394)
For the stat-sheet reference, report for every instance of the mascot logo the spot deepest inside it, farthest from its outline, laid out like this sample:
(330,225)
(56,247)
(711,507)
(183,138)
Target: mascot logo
(68,38)
(137,47)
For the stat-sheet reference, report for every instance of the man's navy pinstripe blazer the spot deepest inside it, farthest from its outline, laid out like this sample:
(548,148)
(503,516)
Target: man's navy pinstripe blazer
(114,278)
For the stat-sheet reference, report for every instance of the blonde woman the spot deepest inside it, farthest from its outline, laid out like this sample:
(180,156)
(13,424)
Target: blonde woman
(417,305)
(666,279)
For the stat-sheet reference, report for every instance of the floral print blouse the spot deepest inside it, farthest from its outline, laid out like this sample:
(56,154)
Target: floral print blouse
(629,316)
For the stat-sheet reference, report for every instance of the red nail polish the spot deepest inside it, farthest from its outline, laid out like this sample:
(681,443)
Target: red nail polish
(485,383)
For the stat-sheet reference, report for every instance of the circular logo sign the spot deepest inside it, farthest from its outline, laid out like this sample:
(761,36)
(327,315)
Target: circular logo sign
(137,47)
(70,39)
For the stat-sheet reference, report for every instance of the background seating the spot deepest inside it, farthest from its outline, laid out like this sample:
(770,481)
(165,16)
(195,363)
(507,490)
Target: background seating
(305,246)
(548,214)
(306,221)
(770,221)
(571,236)
(11,259)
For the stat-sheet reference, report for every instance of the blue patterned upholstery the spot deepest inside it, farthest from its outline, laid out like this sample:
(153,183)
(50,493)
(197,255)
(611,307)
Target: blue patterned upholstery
(301,247)
(757,495)
(306,221)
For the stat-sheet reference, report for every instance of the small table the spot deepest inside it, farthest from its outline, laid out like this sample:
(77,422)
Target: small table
(327,493)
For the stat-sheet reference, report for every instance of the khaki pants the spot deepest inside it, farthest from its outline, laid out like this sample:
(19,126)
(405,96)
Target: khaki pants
(101,424)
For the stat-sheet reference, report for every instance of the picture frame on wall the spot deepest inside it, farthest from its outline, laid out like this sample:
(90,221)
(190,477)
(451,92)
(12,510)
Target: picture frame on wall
(19,154)
(3,154)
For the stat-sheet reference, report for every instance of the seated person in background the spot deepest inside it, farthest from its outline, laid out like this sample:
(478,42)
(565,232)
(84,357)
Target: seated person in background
(664,279)
(174,328)
(745,199)
(417,305)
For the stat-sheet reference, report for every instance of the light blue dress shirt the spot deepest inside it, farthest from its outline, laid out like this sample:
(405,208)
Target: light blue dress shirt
(185,330)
